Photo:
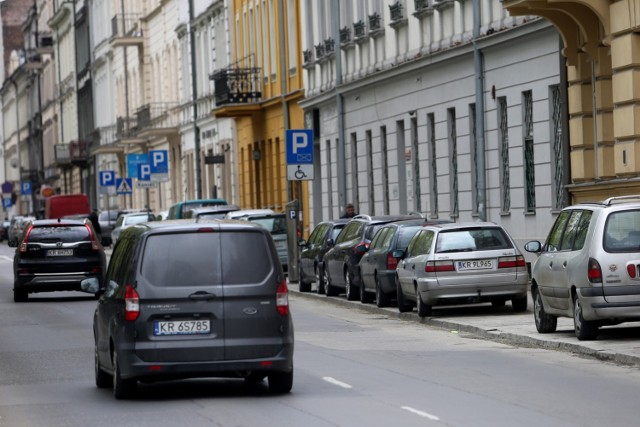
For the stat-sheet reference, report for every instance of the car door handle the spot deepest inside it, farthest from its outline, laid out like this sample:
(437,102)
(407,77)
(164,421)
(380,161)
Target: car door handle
(413,266)
(564,264)
(551,264)
(202,295)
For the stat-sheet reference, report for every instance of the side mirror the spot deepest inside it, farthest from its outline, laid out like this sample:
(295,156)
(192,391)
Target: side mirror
(90,285)
(398,254)
(302,243)
(533,246)
(330,243)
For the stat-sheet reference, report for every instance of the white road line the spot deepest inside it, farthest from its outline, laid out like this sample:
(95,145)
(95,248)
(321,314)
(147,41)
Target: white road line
(6,257)
(421,413)
(336,382)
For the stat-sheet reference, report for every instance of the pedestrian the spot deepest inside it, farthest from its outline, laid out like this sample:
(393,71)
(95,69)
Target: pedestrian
(93,217)
(349,211)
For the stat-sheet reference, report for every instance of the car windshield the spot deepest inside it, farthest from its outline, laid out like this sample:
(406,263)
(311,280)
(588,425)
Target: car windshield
(275,224)
(62,233)
(622,232)
(474,239)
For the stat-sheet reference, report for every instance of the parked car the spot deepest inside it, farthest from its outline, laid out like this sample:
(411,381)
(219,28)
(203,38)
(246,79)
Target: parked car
(210,212)
(107,220)
(341,269)
(243,213)
(18,223)
(461,263)
(276,224)
(56,255)
(178,210)
(4,231)
(589,267)
(129,219)
(378,265)
(312,253)
(156,322)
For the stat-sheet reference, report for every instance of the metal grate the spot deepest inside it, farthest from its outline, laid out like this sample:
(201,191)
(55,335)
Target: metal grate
(558,151)
(453,146)
(504,155)
(530,173)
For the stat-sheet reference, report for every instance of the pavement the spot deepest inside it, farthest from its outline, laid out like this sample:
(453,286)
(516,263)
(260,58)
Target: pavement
(618,344)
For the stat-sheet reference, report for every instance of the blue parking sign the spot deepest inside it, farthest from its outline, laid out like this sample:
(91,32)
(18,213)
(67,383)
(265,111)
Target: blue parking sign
(107,178)
(25,188)
(159,161)
(299,146)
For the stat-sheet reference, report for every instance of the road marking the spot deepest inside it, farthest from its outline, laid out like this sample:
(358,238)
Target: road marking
(6,257)
(336,382)
(421,413)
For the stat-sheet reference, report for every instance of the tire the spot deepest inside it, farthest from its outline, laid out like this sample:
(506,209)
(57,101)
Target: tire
(545,323)
(280,382)
(519,304)
(330,290)
(585,329)
(320,280)
(351,290)
(20,295)
(103,380)
(304,286)
(403,305)
(382,299)
(365,297)
(424,310)
(122,389)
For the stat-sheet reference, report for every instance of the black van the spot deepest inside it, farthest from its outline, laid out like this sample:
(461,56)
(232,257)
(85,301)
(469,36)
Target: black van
(180,302)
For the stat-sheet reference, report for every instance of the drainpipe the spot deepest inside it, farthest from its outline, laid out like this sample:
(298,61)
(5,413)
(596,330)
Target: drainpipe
(481,184)
(342,184)
(15,87)
(194,93)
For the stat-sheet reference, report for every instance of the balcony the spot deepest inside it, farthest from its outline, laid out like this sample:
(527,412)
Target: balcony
(156,120)
(345,35)
(359,30)
(105,141)
(375,24)
(75,153)
(397,15)
(126,127)
(237,87)
(126,30)
(63,154)
(422,8)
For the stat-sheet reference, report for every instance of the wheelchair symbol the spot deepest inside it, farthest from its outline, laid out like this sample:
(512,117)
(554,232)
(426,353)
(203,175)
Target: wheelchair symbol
(299,174)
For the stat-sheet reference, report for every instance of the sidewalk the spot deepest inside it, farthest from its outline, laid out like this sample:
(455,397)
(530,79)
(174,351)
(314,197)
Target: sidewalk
(617,344)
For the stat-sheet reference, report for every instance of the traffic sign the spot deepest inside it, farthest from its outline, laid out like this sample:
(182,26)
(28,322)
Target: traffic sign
(6,203)
(299,144)
(107,178)
(7,187)
(133,160)
(26,188)
(123,186)
(144,176)
(300,172)
(159,163)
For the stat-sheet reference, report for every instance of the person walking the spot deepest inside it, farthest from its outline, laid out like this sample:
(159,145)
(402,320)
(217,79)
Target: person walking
(349,211)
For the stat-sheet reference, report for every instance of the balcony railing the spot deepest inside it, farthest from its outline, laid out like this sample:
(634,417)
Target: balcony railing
(375,22)
(236,85)
(126,25)
(63,153)
(359,29)
(75,152)
(329,45)
(319,50)
(126,127)
(307,56)
(421,4)
(156,116)
(345,35)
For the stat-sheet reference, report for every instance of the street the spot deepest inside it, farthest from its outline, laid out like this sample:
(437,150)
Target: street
(352,368)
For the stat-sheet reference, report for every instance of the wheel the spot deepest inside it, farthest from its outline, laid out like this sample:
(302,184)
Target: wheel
(365,297)
(103,380)
(498,303)
(19,295)
(519,304)
(424,310)
(122,389)
(585,329)
(382,299)
(403,305)
(351,290)
(330,290)
(304,285)
(280,382)
(545,323)
(319,280)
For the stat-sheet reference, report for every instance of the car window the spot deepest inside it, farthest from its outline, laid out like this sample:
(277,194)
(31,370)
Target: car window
(119,221)
(405,236)
(119,269)
(65,234)
(350,232)
(622,232)
(317,234)
(388,237)
(421,244)
(371,230)
(583,228)
(274,224)
(472,239)
(211,215)
(237,246)
(378,238)
(336,230)
(555,236)
(570,231)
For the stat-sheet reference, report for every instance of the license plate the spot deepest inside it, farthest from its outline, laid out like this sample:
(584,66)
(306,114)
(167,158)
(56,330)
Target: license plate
(60,252)
(477,264)
(182,327)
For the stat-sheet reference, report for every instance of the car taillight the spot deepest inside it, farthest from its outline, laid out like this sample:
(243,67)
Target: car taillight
(95,245)
(439,266)
(594,272)
(392,262)
(131,304)
(282,299)
(23,245)
(511,261)
(632,271)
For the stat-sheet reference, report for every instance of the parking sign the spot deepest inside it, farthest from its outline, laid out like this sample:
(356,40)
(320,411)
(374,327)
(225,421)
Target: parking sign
(107,178)
(299,146)
(159,165)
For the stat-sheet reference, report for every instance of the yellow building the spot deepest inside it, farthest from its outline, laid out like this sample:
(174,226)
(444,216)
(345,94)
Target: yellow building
(261,91)
(602,50)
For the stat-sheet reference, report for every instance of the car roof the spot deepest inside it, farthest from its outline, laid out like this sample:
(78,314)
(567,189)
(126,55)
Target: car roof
(63,221)
(247,212)
(177,225)
(457,225)
(215,208)
(376,219)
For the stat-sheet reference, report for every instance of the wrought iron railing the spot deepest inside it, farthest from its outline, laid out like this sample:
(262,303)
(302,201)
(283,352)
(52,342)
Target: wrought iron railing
(319,50)
(345,35)
(329,45)
(396,11)
(126,25)
(375,21)
(156,115)
(234,85)
(421,4)
(126,127)
(307,55)
(359,29)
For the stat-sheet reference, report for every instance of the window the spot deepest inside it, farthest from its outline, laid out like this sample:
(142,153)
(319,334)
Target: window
(329,178)
(503,137)
(474,158)
(370,182)
(529,165)
(292,30)
(570,231)
(415,165)
(557,143)
(355,197)
(385,169)
(433,164)
(555,236)
(453,161)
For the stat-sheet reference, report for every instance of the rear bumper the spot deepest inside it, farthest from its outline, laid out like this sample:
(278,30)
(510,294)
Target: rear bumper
(616,308)
(52,283)
(432,294)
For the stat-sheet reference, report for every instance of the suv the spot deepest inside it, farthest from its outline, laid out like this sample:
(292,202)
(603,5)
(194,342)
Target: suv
(180,302)
(589,267)
(56,255)
(341,268)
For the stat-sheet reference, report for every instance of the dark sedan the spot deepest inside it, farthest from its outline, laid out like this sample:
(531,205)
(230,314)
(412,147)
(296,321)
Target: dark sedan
(313,250)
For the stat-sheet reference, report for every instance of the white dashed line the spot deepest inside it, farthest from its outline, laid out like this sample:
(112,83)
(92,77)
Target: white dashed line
(6,258)
(336,382)
(421,413)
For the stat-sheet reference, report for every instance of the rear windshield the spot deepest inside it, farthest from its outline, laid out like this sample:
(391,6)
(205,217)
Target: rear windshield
(622,232)
(195,259)
(62,233)
(136,219)
(475,239)
(193,205)
(275,224)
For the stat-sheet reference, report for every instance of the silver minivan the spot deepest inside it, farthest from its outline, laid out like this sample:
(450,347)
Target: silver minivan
(589,267)
(180,302)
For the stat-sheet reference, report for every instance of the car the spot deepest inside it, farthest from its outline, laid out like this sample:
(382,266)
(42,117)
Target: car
(4,230)
(340,263)
(107,220)
(178,210)
(210,212)
(378,265)
(242,213)
(461,263)
(56,255)
(129,219)
(276,224)
(312,253)
(18,223)
(588,268)
(180,302)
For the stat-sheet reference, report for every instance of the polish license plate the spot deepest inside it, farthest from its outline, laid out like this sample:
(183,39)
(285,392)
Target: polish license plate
(60,252)
(182,327)
(475,264)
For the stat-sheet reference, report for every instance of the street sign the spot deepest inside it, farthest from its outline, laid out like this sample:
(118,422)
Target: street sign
(7,187)
(159,162)
(299,146)
(123,186)
(26,188)
(144,176)
(133,160)
(6,203)
(107,178)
